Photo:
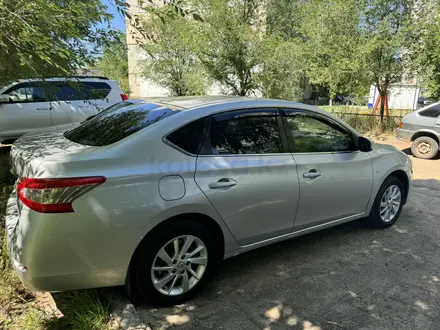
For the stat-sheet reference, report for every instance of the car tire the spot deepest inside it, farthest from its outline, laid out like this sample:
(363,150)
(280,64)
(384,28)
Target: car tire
(176,284)
(424,147)
(378,217)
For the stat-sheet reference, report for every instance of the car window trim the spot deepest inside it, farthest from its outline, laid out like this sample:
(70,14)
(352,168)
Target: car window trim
(283,139)
(321,117)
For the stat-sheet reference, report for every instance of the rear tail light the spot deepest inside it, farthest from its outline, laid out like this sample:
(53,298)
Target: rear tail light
(400,125)
(54,195)
(124,97)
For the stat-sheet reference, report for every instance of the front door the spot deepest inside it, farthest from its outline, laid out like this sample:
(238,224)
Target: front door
(248,174)
(335,179)
(27,110)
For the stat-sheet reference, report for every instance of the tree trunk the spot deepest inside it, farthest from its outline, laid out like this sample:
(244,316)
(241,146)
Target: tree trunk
(382,105)
(383,91)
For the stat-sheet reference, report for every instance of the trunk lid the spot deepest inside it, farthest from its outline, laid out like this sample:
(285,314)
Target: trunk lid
(30,150)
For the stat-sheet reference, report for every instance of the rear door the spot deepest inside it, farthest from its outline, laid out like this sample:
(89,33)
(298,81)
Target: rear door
(247,173)
(70,103)
(335,179)
(99,92)
(27,110)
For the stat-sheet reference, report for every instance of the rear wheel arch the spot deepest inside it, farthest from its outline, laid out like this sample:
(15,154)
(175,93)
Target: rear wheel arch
(208,222)
(428,134)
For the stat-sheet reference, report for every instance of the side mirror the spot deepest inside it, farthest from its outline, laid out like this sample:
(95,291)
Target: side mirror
(4,98)
(364,144)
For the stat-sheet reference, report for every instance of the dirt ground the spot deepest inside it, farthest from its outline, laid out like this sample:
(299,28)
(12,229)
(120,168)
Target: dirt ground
(346,277)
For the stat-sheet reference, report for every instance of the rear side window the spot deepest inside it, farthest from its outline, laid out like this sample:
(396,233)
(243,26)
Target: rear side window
(98,90)
(111,126)
(68,92)
(244,132)
(190,136)
(433,112)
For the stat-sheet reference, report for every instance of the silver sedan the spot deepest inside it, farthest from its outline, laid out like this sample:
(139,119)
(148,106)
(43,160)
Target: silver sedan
(153,194)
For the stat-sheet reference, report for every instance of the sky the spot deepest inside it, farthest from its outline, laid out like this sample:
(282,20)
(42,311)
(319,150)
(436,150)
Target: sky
(118,22)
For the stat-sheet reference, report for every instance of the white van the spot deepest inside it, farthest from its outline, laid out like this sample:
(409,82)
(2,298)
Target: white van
(31,104)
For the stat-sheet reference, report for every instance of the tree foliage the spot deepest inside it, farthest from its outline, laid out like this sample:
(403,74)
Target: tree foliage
(170,60)
(114,60)
(230,45)
(331,35)
(423,42)
(383,53)
(44,37)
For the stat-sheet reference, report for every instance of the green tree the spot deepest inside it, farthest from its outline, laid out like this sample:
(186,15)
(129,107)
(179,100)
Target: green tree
(332,38)
(46,37)
(231,43)
(384,54)
(283,72)
(423,42)
(114,60)
(170,60)
(42,38)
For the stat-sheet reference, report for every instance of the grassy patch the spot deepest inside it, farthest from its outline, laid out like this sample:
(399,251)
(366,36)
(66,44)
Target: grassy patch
(361,110)
(370,124)
(22,309)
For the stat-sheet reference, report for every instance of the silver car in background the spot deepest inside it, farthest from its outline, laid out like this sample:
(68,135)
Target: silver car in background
(29,105)
(153,195)
(422,128)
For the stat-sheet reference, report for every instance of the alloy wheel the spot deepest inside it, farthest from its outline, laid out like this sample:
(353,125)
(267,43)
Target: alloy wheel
(179,265)
(390,203)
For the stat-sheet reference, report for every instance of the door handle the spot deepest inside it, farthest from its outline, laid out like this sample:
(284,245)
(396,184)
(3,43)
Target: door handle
(312,174)
(42,108)
(222,184)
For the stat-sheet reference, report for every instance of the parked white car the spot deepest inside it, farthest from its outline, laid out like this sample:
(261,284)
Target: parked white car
(27,105)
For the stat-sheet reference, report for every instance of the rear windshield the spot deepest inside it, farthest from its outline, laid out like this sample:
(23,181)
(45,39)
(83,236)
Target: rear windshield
(118,122)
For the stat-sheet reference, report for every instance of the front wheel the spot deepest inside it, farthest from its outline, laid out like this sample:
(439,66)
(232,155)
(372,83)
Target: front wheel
(424,147)
(388,203)
(175,263)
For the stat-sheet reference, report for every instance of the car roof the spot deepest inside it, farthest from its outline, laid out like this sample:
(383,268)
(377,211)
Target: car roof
(193,102)
(76,78)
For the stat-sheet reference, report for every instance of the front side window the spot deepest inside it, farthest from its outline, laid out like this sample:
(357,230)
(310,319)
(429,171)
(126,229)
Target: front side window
(27,92)
(309,133)
(244,132)
(432,112)
(114,125)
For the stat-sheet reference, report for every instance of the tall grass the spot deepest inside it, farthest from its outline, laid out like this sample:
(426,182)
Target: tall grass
(368,124)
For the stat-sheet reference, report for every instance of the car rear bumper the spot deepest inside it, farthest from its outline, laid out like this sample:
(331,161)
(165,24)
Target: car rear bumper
(56,252)
(404,134)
